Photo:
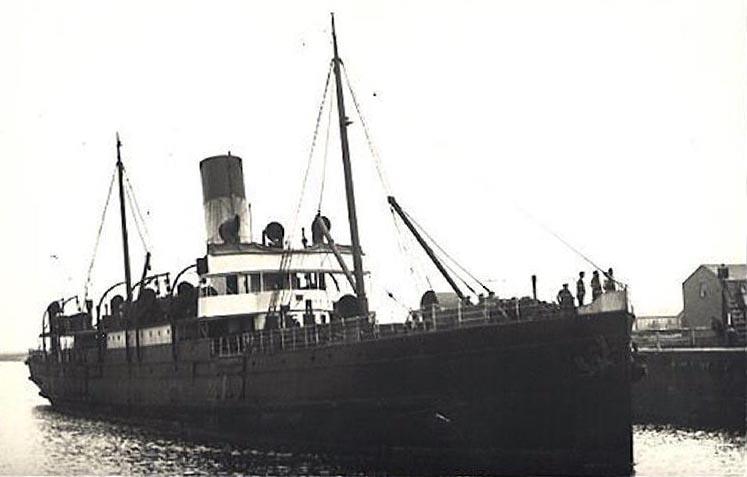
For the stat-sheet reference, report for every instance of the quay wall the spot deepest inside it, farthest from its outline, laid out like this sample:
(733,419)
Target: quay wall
(696,387)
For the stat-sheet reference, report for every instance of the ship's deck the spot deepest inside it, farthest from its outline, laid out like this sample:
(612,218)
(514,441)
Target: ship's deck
(354,330)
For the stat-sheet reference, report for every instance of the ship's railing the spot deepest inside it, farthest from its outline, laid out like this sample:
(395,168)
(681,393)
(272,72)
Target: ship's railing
(67,355)
(37,354)
(355,330)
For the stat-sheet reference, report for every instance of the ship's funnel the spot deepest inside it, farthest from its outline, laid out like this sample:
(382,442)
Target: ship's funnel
(227,214)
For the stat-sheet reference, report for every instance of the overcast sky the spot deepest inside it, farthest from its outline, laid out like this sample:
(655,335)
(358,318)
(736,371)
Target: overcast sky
(618,125)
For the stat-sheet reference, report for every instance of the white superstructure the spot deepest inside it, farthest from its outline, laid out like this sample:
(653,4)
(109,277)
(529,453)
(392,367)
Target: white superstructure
(255,280)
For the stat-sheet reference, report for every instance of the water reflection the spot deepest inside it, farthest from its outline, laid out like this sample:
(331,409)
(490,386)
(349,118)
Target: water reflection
(35,439)
(663,451)
(80,445)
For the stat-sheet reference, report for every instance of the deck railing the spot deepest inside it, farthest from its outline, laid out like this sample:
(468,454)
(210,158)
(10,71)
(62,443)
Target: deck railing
(354,330)
(37,354)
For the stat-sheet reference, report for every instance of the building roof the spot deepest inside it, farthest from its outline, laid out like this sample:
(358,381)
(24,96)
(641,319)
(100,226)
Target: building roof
(737,290)
(737,271)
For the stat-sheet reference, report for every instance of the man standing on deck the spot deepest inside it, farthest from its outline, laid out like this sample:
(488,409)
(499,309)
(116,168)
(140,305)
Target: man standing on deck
(596,285)
(580,289)
(609,282)
(565,299)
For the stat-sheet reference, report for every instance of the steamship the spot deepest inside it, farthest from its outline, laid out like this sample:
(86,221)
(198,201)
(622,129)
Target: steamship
(276,344)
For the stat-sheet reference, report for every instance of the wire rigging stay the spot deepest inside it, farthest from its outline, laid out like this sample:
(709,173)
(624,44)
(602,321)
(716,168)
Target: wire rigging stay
(450,268)
(387,189)
(137,212)
(278,297)
(567,244)
(371,148)
(140,224)
(418,274)
(414,265)
(326,153)
(138,227)
(460,278)
(309,161)
(385,184)
(89,274)
(446,254)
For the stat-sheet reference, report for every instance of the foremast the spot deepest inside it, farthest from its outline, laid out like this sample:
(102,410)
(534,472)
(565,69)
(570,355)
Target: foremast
(126,252)
(360,289)
(123,220)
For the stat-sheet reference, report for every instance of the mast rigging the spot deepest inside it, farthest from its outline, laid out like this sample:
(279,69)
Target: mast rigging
(87,284)
(428,250)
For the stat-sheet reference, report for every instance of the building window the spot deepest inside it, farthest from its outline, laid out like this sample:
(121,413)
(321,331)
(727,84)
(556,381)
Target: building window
(251,283)
(703,290)
(276,281)
(213,286)
(305,281)
(255,284)
(232,285)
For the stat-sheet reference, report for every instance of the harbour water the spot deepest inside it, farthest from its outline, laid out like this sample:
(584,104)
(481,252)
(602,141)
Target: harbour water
(36,440)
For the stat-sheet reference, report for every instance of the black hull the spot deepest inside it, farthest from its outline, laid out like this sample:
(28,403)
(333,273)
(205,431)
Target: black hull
(539,397)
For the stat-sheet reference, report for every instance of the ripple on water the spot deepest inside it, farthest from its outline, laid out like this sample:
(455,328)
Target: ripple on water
(670,451)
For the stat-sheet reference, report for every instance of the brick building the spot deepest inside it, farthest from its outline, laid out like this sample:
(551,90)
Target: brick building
(657,322)
(714,296)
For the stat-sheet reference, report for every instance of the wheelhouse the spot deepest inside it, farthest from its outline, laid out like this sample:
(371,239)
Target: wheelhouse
(255,281)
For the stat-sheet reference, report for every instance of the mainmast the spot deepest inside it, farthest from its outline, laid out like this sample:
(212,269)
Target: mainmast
(123,218)
(360,290)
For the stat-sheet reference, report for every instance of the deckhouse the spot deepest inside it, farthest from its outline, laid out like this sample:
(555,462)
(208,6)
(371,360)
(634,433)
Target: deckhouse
(268,282)
(256,280)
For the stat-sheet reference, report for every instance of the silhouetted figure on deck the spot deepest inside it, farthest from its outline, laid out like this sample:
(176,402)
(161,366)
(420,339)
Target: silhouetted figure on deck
(596,285)
(609,282)
(565,298)
(580,289)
